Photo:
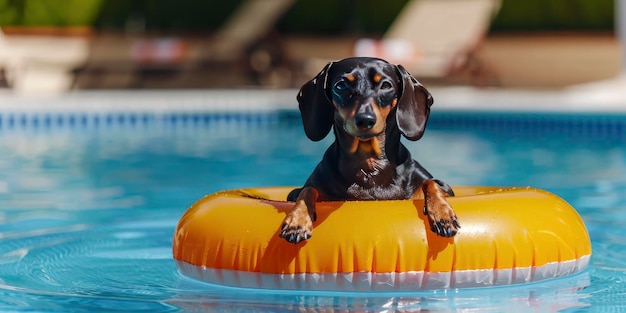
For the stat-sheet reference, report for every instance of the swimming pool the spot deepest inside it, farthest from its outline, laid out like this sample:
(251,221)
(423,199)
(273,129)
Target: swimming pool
(89,202)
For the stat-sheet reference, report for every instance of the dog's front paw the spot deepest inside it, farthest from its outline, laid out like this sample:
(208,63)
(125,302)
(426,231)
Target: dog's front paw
(441,217)
(296,227)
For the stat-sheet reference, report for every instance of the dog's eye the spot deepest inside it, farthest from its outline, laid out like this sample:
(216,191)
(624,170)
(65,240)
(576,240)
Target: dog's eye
(386,85)
(341,86)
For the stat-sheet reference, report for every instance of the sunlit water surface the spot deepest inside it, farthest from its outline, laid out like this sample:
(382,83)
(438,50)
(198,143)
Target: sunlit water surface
(87,214)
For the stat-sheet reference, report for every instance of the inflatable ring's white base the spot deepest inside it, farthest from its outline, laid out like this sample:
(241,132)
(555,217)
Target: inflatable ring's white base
(383,282)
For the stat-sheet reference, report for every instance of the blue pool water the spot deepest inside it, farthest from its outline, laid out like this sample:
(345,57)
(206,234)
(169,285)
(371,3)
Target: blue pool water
(87,210)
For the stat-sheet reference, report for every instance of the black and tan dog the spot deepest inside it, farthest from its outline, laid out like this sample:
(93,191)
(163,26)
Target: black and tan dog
(370,103)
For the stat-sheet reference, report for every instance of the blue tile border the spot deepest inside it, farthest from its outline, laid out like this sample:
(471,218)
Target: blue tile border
(538,123)
(455,108)
(70,120)
(121,108)
(595,125)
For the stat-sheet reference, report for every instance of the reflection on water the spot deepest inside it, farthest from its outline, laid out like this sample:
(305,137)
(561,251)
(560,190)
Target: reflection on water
(86,217)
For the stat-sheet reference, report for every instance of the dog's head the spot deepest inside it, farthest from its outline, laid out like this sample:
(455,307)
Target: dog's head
(359,94)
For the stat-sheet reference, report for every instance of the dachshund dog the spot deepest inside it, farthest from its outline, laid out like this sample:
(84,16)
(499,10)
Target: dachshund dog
(370,103)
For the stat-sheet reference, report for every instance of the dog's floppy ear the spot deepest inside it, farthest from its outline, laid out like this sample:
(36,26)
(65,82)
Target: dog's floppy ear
(413,106)
(316,109)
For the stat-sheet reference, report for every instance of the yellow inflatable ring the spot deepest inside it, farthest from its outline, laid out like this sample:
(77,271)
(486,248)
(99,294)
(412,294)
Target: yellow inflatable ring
(508,236)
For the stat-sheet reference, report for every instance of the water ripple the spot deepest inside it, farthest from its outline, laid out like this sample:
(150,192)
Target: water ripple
(129,267)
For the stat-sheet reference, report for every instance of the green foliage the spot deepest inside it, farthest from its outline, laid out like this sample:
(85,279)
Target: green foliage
(374,17)
(166,14)
(48,12)
(156,14)
(306,16)
(317,17)
(340,16)
(537,15)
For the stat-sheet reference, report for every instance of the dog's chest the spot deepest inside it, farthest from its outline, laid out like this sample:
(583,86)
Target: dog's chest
(373,171)
(376,179)
(390,192)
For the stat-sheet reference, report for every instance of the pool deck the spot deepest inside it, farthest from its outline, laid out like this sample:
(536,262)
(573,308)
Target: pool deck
(546,73)
(605,96)
(600,97)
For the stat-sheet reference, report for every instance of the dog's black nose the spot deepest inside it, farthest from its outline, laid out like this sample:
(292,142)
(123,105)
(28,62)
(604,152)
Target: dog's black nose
(365,121)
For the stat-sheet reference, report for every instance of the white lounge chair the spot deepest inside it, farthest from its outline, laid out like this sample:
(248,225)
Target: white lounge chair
(39,64)
(435,38)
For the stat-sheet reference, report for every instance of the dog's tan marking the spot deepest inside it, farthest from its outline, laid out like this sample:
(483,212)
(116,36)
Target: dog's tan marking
(376,146)
(355,145)
(298,223)
(350,77)
(345,112)
(381,118)
(441,216)
(377,77)
(369,145)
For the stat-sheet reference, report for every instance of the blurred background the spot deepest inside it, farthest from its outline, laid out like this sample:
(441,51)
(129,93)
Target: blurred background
(59,45)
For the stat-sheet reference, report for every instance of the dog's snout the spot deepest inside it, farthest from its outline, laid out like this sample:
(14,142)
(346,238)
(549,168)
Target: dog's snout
(365,121)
